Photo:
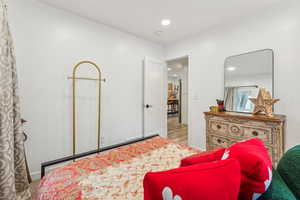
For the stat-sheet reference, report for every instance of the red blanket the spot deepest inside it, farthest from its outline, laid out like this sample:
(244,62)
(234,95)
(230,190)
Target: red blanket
(117,174)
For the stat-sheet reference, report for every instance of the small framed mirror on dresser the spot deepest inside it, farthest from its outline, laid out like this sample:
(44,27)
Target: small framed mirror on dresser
(247,76)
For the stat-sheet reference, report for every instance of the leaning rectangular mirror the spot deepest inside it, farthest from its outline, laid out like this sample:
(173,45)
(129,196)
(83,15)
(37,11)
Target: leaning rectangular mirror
(245,74)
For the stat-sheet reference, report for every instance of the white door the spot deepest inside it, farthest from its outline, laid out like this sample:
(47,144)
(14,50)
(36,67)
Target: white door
(155,97)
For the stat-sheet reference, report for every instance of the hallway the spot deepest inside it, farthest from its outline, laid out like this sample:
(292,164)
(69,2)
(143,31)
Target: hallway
(177,132)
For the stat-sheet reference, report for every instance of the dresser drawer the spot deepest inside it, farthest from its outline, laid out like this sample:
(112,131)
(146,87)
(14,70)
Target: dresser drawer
(225,128)
(235,131)
(219,142)
(263,133)
(218,127)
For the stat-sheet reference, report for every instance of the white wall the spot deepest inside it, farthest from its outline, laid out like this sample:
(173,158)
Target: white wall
(48,42)
(277,28)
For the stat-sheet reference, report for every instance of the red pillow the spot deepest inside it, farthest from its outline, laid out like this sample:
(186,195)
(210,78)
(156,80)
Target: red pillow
(213,181)
(256,167)
(207,156)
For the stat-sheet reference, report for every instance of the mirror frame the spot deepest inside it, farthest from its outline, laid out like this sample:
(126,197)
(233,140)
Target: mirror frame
(250,52)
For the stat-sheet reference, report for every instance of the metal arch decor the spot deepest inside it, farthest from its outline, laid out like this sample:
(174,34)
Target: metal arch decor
(99,79)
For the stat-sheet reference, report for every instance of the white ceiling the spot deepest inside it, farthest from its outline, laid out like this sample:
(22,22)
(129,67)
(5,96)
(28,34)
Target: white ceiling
(142,17)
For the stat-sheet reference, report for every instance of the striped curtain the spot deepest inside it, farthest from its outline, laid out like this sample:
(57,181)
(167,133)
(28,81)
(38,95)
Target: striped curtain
(13,177)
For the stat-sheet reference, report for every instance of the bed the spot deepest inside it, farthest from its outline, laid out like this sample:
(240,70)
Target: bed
(114,174)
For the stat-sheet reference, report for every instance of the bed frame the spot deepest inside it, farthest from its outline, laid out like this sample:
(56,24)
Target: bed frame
(81,155)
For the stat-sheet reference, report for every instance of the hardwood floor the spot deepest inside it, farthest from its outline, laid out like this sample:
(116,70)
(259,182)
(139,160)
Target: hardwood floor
(176,131)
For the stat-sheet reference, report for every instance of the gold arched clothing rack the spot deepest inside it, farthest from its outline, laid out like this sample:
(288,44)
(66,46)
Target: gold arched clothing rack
(99,80)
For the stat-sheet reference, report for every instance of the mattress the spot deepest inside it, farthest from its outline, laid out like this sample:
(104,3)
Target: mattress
(116,174)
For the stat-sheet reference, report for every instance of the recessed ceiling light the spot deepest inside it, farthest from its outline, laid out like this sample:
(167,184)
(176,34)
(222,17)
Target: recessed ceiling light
(231,68)
(165,22)
(169,69)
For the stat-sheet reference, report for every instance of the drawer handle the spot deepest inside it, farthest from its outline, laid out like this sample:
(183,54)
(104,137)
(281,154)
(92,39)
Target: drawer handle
(219,141)
(219,127)
(255,133)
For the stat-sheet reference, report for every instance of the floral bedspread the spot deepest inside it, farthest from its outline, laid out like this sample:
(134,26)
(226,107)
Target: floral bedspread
(116,174)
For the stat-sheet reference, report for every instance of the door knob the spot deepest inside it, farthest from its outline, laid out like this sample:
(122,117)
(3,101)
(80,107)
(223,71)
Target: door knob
(148,106)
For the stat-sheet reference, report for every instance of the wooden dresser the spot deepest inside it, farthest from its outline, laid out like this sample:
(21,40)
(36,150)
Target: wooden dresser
(226,128)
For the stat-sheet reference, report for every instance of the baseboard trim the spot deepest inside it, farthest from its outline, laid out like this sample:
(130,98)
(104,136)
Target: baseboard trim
(35,175)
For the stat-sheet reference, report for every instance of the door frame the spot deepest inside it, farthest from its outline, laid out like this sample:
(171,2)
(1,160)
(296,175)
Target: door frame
(180,102)
(164,96)
(189,93)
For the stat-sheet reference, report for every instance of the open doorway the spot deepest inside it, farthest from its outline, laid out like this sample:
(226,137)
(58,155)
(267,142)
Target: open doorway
(178,99)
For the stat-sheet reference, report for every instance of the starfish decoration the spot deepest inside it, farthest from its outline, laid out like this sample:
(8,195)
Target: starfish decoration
(263,103)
